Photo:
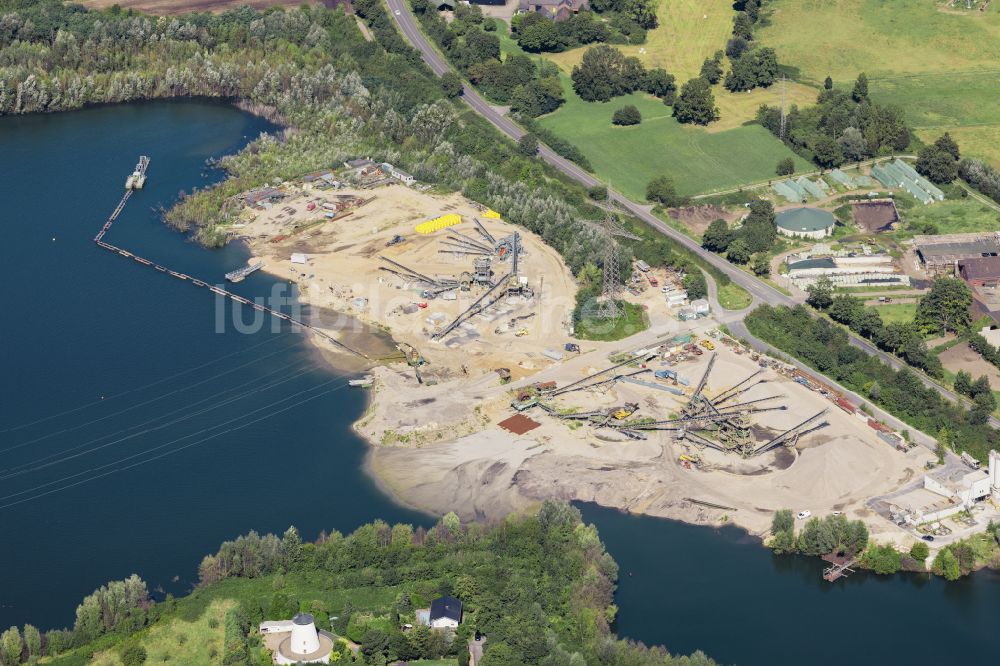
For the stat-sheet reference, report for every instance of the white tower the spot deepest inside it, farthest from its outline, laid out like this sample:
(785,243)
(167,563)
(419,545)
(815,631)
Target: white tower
(304,640)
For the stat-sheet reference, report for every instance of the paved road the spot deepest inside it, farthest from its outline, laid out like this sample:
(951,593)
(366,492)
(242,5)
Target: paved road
(761,291)
(411,31)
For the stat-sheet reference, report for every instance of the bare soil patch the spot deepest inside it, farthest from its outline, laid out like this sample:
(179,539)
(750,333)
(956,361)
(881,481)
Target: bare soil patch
(697,218)
(963,357)
(875,216)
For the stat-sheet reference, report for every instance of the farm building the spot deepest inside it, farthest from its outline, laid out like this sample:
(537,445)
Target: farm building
(869,270)
(940,255)
(557,10)
(899,174)
(805,222)
(981,271)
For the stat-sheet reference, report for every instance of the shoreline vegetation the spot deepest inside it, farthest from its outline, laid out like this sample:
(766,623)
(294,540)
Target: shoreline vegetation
(539,586)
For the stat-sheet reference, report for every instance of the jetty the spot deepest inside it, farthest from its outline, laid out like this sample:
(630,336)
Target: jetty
(840,567)
(131,186)
(240,273)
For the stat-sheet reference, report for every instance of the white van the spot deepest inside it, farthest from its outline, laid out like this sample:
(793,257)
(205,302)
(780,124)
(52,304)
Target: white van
(802,515)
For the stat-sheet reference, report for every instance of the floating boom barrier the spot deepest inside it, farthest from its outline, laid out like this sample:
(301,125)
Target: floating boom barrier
(99,240)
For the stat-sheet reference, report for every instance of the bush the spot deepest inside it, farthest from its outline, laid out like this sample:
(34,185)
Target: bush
(661,190)
(134,655)
(598,192)
(527,145)
(627,115)
(920,551)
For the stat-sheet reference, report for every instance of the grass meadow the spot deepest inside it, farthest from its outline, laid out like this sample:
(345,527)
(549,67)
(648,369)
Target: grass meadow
(940,64)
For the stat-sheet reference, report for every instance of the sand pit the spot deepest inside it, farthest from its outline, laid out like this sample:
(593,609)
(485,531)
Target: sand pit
(337,266)
(837,468)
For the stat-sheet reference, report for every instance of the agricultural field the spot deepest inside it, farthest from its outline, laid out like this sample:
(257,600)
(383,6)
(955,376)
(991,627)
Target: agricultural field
(697,159)
(939,63)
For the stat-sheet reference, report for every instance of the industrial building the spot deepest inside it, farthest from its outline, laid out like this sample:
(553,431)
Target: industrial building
(950,491)
(805,222)
(940,255)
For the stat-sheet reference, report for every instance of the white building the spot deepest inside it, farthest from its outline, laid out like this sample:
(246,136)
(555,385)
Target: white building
(960,489)
(398,174)
(297,641)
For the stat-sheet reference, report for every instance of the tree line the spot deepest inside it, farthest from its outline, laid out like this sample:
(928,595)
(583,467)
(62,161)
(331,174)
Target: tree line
(842,126)
(537,33)
(826,348)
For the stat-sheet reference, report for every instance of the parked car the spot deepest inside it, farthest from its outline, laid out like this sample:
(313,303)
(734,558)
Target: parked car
(802,515)
(927,537)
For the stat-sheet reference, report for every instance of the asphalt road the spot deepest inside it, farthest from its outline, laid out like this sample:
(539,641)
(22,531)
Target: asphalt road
(411,31)
(761,291)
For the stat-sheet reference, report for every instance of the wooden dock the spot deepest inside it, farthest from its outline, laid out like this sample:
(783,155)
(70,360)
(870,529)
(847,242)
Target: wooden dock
(840,567)
(99,240)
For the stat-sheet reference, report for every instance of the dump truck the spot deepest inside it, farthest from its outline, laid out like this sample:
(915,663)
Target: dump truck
(707,344)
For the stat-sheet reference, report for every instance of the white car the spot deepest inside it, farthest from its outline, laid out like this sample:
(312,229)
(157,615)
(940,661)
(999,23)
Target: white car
(802,515)
(397,12)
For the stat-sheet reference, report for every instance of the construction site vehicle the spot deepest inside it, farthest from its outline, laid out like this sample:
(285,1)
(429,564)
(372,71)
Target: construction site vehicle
(422,305)
(970,461)
(670,375)
(521,405)
(395,240)
(521,332)
(707,344)
(652,280)
(628,410)
(311,206)
(572,347)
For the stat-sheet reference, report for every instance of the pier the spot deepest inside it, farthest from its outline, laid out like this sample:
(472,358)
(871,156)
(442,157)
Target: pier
(840,567)
(99,240)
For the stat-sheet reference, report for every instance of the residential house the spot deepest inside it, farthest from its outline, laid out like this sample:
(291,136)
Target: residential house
(446,613)
(557,10)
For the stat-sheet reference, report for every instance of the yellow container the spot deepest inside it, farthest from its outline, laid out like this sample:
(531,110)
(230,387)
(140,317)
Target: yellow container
(430,226)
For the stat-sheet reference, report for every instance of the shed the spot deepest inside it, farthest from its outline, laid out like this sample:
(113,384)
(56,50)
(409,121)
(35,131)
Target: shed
(298,258)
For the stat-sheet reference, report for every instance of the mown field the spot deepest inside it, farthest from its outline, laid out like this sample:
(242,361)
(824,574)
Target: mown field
(698,160)
(941,65)
(689,32)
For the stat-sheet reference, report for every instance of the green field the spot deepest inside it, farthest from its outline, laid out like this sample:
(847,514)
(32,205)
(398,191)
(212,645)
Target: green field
(734,297)
(940,64)
(952,216)
(697,160)
(896,312)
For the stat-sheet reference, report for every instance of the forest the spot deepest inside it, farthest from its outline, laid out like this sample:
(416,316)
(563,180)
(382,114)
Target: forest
(538,586)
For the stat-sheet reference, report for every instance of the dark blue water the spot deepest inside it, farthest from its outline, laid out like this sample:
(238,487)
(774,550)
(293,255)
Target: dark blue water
(693,588)
(155,475)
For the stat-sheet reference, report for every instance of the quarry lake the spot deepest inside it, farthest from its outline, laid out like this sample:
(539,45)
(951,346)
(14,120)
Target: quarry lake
(135,437)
